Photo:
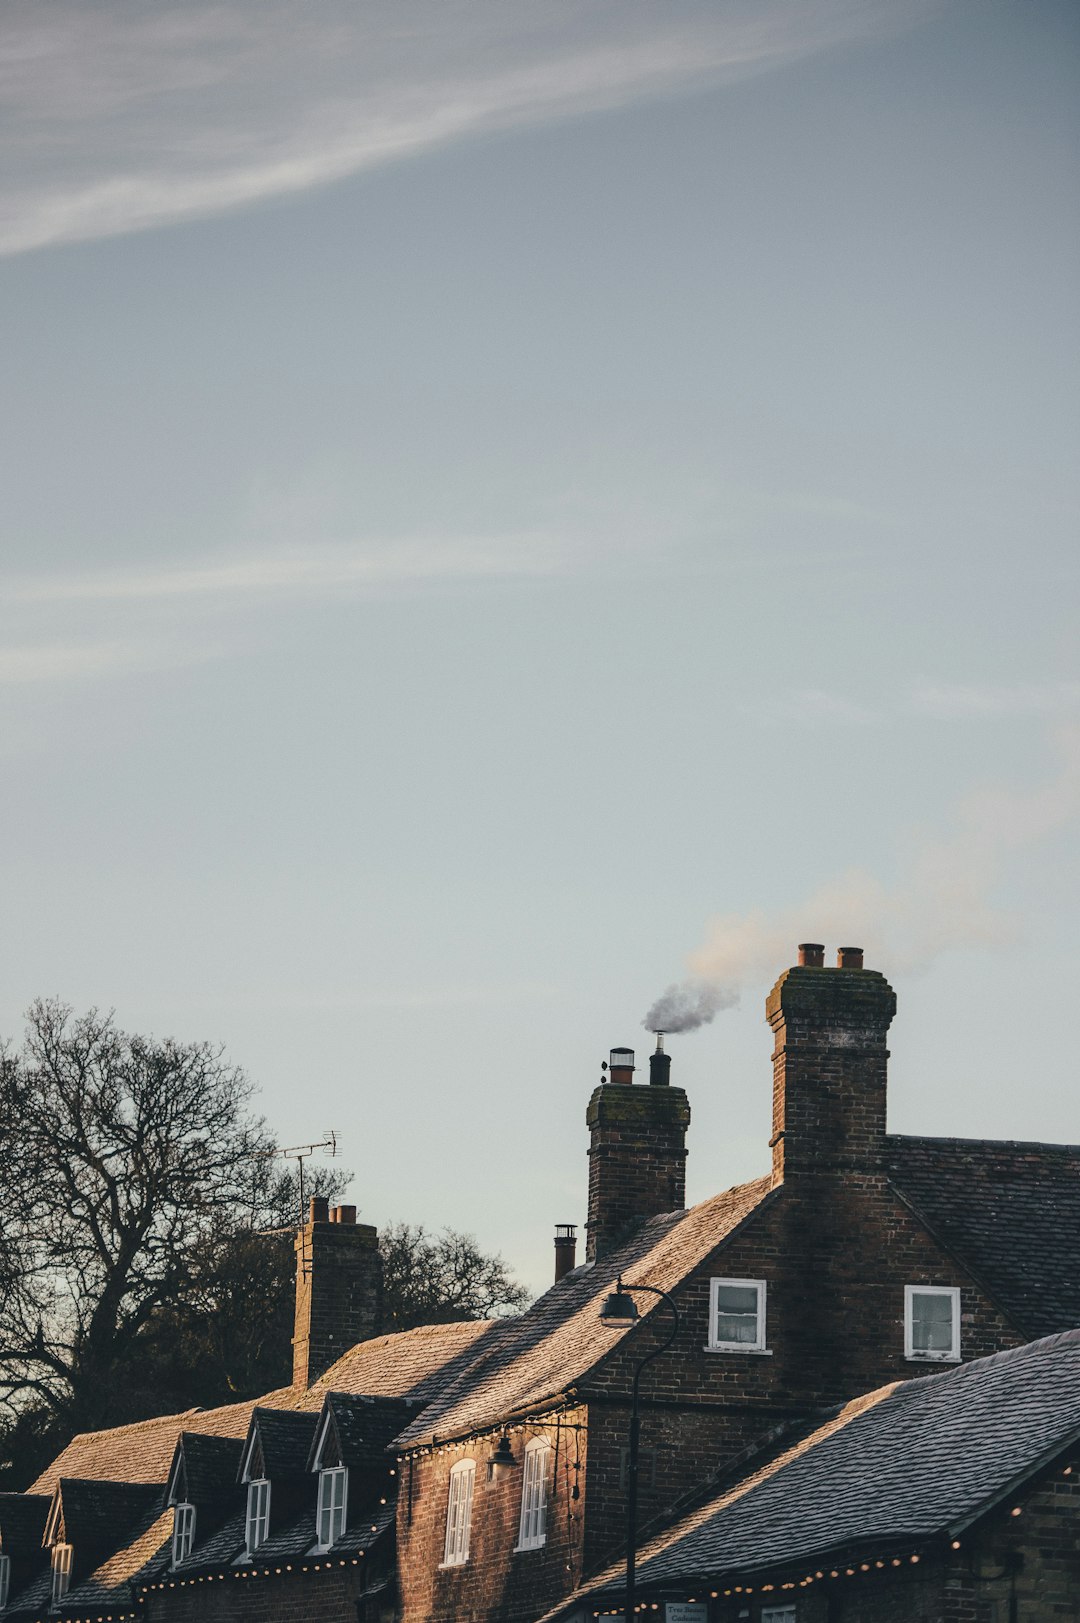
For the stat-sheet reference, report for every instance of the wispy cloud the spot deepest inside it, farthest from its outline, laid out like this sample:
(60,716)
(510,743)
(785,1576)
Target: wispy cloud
(122,117)
(961,702)
(77,661)
(943,701)
(288,572)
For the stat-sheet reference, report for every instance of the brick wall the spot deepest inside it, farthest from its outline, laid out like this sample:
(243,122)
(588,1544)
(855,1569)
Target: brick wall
(835,1254)
(338,1289)
(829,1069)
(496,1584)
(637,1159)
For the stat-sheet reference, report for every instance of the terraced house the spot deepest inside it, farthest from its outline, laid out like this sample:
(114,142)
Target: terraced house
(880,1327)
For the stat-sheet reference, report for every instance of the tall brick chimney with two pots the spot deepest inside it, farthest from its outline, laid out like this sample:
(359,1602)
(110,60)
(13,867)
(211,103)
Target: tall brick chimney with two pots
(338,1288)
(637,1149)
(829,1065)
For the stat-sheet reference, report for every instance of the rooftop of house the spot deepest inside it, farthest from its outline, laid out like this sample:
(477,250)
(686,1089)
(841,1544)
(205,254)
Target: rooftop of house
(411,1363)
(205,1468)
(22,1521)
(95,1513)
(142,1451)
(140,1554)
(532,1359)
(892,1470)
(1010,1211)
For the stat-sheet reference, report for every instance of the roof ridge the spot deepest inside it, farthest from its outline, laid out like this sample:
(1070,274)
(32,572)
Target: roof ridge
(983,1143)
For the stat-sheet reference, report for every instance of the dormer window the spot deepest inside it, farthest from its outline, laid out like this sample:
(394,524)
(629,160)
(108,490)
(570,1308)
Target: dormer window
(333,1495)
(183,1536)
(932,1323)
(5,1579)
(61,1571)
(257,1525)
(532,1531)
(459,1514)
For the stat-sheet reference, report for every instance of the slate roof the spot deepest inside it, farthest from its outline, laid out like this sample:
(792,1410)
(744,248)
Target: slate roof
(114,1581)
(1011,1211)
(22,1522)
(33,1599)
(896,1467)
(220,1549)
(210,1464)
(284,1439)
(94,1514)
(143,1451)
(410,1363)
(528,1360)
(365,1427)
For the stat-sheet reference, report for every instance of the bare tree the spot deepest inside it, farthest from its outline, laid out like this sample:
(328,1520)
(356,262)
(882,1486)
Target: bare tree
(124,1163)
(434,1278)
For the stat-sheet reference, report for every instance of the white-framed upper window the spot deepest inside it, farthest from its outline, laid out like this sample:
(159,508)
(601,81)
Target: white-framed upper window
(333,1494)
(532,1532)
(257,1526)
(737,1315)
(61,1571)
(459,1513)
(183,1532)
(932,1322)
(778,1614)
(5,1579)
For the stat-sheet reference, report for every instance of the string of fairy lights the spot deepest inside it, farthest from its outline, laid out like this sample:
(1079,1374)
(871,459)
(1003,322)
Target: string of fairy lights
(887,1562)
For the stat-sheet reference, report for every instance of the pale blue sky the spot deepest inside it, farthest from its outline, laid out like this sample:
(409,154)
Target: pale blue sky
(505,506)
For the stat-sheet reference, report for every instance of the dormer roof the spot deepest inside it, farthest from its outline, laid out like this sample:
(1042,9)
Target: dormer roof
(278,1443)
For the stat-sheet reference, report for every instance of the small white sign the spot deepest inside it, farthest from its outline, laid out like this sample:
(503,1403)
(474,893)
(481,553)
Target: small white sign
(694,1611)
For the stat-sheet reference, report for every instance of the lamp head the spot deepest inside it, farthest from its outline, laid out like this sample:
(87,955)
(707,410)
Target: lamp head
(502,1460)
(619,1307)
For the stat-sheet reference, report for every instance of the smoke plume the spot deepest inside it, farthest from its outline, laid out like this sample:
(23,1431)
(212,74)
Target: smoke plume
(944,899)
(689,1005)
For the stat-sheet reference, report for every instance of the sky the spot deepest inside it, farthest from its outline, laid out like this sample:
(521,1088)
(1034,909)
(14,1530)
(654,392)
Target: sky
(510,508)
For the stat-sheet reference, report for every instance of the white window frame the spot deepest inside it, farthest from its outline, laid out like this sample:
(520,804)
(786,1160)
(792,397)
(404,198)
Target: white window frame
(333,1504)
(915,1354)
(257,1520)
(532,1526)
(757,1346)
(459,1513)
(5,1579)
(778,1614)
(183,1531)
(61,1571)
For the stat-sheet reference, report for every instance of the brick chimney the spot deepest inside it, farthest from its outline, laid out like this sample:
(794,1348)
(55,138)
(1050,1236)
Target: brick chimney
(637,1151)
(829,1064)
(338,1288)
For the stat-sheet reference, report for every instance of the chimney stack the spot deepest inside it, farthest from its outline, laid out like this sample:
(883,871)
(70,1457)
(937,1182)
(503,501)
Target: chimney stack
(637,1150)
(338,1288)
(829,1064)
(565,1249)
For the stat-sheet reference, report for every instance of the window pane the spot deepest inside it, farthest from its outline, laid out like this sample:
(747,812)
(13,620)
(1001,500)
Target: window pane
(5,1579)
(737,1299)
(931,1322)
(737,1314)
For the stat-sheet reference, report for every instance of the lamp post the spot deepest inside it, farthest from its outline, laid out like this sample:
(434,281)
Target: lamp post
(620,1309)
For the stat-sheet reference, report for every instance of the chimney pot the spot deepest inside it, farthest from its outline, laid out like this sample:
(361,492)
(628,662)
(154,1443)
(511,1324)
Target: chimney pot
(343,1214)
(565,1249)
(621,1065)
(659,1065)
(849,958)
(811,955)
(318,1209)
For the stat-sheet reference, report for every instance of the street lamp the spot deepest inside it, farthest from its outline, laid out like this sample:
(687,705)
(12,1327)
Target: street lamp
(620,1309)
